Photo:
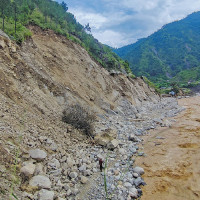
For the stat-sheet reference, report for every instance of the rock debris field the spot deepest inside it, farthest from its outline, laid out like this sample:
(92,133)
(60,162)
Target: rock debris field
(54,167)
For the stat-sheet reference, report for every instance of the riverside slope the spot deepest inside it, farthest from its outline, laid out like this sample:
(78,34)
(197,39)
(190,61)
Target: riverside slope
(172,164)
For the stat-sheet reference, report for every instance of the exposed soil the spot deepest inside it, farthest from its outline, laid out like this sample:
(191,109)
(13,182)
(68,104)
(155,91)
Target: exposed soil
(172,164)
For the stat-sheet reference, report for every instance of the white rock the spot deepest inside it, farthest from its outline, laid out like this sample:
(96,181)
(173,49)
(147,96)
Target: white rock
(28,170)
(75,191)
(138,170)
(127,185)
(69,192)
(38,154)
(59,198)
(135,175)
(87,172)
(133,192)
(84,180)
(26,195)
(66,187)
(45,195)
(134,138)
(113,144)
(99,156)
(54,164)
(73,175)
(42,182)
(70,162)
(122,151)
(82,168)
(39,169)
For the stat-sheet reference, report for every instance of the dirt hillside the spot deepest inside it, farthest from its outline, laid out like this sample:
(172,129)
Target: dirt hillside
(37,81)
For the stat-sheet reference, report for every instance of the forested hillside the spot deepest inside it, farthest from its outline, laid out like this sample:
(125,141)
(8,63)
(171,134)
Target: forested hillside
(170,54)
(16,15)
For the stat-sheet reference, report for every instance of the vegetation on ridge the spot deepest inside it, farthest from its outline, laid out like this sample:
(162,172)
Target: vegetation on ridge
(171,54)
(15,15)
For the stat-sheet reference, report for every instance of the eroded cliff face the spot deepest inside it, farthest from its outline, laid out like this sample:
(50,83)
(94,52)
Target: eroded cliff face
(49,71)
(38,80)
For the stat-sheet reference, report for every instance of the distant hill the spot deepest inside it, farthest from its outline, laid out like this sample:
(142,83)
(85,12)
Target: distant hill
(170,54)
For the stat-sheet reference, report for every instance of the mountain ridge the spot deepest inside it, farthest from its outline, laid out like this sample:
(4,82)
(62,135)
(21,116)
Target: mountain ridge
(166,54)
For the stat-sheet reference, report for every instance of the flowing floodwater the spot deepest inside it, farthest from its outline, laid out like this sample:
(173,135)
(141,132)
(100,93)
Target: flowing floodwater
(172,164)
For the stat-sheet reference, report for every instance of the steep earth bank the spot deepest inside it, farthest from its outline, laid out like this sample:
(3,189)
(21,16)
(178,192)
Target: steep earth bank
(172,162)
(42,157)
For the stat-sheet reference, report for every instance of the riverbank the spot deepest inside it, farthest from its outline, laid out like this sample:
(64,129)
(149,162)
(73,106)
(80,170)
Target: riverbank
(172,163)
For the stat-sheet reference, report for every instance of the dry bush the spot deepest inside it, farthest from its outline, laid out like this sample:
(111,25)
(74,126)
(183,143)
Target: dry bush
(80,118)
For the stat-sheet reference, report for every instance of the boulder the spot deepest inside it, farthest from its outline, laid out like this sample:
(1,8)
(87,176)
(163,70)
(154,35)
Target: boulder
(84,180)
(28,170)
(127,185)
(73,175)
(82,168)
(41,182)
(39,169)
(106,137)
(133,192)
(38,154)
(134,138)
(45,195)
(135,175)
(70,162)
(138,170)
(139,181)
(122,151)
(113,144)
(101,140)
(54,164)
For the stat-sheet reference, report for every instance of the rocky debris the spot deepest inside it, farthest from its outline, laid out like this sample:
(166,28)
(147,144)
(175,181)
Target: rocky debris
(41,182)
(37,154)
(67,170)
(45,195)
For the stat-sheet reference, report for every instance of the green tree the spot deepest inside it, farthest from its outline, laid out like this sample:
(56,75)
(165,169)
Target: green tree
(175,87)
(64,6)
(4,5)
(87,27)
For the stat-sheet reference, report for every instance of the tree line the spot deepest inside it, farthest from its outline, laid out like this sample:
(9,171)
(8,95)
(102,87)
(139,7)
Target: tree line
(16,15)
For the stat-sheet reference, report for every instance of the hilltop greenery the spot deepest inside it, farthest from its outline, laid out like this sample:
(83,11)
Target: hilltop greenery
(16,15)
(170,54)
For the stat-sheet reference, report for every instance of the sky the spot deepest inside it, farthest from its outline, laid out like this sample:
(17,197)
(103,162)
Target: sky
(119,23)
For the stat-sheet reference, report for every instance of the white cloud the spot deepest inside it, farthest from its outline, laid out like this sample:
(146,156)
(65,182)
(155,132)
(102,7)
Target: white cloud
(112,38)
(140,5)
(118,23)
(96,20)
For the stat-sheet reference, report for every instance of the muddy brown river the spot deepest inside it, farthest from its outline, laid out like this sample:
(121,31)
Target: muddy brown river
(172,164)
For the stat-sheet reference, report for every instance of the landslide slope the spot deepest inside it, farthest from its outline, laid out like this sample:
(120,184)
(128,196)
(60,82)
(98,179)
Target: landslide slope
(38,80)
